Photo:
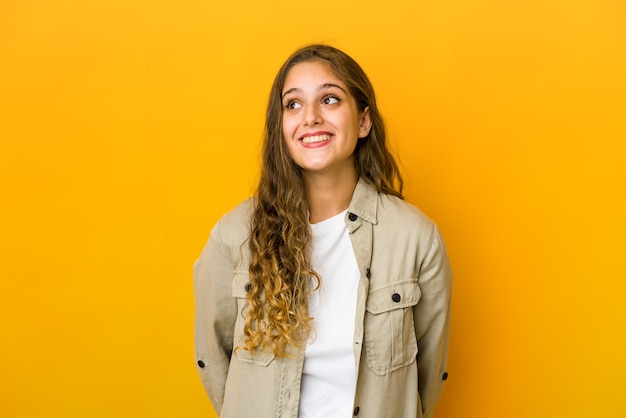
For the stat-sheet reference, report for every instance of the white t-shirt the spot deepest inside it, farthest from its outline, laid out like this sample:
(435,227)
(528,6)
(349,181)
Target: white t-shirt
(329,375)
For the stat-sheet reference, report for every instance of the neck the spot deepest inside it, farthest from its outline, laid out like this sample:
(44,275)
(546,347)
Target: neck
(328,196)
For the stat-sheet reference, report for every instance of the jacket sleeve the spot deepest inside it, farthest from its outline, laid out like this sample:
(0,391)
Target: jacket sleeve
(432,323)
(216,311)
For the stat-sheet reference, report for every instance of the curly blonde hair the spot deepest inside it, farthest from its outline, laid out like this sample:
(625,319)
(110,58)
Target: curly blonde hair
(280,270)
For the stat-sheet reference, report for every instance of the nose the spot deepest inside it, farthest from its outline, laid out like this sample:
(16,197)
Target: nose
(312,115)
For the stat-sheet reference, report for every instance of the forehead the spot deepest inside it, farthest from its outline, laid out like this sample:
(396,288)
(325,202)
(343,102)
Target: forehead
(311,74)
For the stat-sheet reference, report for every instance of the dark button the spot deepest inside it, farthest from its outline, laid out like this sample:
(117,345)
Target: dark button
(444,376)
(248,287)
(396,297)
(352,216)
(367,273)
(201,364)
(356,411)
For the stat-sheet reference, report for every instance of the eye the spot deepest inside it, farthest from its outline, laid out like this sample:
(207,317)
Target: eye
(329,100)
(291,104)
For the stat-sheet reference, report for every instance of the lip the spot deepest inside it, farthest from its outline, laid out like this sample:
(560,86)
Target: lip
(316,133)
(316,144)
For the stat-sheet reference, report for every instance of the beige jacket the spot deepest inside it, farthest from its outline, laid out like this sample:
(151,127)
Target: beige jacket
(401,325)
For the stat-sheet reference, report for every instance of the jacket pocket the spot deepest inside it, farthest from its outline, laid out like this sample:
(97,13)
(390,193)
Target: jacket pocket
(241,285)
(390,340)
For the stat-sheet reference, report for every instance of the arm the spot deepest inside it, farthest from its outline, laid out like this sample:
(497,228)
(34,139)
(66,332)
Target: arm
(216,311)
(432,323)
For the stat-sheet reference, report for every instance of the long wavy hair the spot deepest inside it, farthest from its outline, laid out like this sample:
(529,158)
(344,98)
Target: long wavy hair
(280,270)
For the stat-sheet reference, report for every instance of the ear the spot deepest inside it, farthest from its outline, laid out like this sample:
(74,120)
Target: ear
(366,123)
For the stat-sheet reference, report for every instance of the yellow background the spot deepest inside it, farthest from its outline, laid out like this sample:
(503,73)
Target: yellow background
(127,127)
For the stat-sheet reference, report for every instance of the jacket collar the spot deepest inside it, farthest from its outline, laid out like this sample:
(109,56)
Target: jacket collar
(364,201)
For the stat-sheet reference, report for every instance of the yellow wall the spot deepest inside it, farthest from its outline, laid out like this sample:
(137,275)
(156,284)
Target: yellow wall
(127,127)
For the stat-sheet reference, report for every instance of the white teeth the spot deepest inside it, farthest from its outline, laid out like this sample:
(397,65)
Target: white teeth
(316,138)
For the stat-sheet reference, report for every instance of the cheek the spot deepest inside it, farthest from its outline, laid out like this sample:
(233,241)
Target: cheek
(287,135)
(345,120)
(288,126)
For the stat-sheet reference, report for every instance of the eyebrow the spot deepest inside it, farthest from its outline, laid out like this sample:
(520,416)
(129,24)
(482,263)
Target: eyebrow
(324,86)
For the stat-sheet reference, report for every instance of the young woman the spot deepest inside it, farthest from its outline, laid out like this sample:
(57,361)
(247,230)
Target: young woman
(325,295)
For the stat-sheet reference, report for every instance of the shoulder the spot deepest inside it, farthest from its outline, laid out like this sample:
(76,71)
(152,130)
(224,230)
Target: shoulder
(405,229)
(234,226)
(406,216)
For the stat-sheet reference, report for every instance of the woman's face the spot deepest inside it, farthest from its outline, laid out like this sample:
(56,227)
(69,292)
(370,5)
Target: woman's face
(321,122)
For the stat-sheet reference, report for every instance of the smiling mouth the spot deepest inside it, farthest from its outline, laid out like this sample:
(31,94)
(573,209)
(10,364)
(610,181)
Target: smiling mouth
(315,138)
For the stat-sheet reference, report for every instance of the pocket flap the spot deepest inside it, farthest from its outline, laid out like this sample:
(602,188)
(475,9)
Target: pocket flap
(400,294)
(241,284)
(259,358)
